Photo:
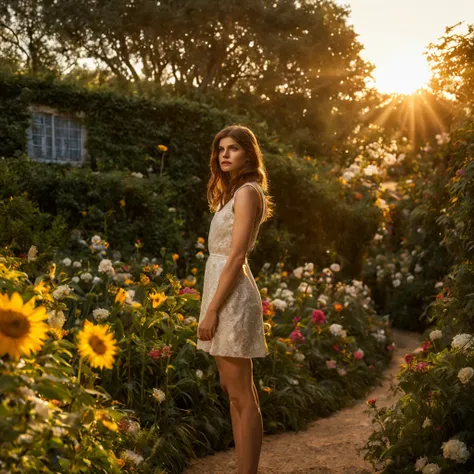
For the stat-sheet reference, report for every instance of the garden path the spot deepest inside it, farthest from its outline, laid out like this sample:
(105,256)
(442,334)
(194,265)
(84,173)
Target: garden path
(329,445)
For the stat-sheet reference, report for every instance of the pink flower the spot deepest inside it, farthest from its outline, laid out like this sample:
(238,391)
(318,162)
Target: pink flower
(421,367)
(341,372)
(318,317)
(167,351)
(359,354)
(425,346)
(460,172)
(331,364)
(296,336)
(296,319)
(336,348)
(186,289)
(409,358)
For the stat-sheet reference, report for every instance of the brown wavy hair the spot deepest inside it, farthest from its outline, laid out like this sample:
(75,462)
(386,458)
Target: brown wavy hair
(221,186)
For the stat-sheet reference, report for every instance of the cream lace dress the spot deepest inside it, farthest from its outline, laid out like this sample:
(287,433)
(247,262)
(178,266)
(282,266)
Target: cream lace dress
(240,331)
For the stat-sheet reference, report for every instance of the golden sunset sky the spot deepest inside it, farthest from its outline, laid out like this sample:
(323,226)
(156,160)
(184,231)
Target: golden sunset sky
(396,32)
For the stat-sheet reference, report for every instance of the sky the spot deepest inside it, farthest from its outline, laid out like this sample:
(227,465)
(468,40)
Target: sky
(396,32)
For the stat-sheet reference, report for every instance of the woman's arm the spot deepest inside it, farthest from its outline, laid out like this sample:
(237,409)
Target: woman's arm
(245,212)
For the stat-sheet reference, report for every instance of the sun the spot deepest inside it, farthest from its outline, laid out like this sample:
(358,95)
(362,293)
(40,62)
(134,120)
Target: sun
(22,330)
(402,73)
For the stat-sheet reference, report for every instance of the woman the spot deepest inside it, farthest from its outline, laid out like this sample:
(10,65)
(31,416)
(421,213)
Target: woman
(231,320)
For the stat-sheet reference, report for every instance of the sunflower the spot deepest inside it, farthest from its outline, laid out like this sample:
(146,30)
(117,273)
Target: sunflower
(22,330)
(98,345)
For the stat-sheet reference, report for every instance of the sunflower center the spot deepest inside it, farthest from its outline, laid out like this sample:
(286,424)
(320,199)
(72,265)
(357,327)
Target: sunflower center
(98,345)
(14,325)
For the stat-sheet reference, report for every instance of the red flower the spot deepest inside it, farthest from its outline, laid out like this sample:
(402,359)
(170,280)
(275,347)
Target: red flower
(372,402)
(425,346)
(336,348)
(318,317)
(296,319)
(390,347)
(155,353)
(409,359)
(372,367)
(421,367)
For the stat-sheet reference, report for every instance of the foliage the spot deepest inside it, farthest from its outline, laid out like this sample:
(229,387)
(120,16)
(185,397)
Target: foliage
(327,346)
(432,422)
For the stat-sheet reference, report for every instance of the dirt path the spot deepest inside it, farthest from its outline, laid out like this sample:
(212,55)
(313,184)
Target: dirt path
(329,445)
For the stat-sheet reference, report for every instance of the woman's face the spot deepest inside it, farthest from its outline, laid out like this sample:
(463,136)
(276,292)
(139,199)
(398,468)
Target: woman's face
(231,156)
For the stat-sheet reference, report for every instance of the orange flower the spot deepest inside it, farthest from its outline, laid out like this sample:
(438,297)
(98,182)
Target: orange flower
(201,240)
(358,196)
(175,257)
(194,270)
(338,307)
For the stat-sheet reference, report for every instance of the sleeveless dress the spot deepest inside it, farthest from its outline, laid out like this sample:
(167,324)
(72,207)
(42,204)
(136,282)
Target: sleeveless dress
(240,330)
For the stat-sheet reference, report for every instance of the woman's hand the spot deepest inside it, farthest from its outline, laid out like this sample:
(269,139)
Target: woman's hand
(207,327)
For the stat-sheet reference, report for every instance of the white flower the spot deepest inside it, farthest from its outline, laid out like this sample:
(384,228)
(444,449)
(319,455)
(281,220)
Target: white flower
(266,266)
(75,279)
(86,277)
(32,253)
(305,288)
(189,320)
(455,450)
(335,267)
(171,209)
(323,299)
(418,268)
(465,375)
(347,175)
(77,264)
(199,373)
(96,281)
(431,469)
(335,329)
(327,271)
(100,314)
(436,334)
(61,291)
(371,170)
(342,372)
(24,439)
(410,278)
(137,175)
(462,341)
(378,237)
(298,272)
(396,282)
(105,266)
(308,267)
(56,319)
(67,262)
(427,423)
(159,395)
(299,356)
(439,284)
(41,407)
(279,304)
(131,456)
(200,255)
(96,239)
(294,381)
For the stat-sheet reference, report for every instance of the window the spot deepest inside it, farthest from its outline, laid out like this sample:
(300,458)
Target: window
(55,138)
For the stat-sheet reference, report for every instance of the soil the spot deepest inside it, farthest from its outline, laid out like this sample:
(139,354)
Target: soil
(329,445)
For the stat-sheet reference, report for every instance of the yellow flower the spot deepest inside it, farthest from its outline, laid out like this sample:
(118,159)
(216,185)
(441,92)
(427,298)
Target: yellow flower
(144,280)
(201,240)
(97,344)
(157,298)
(175,257)
(22,330)
(162,148)
(194,270)
(103,416)
(122,202)
(52,271)
(180,317)
(121,296)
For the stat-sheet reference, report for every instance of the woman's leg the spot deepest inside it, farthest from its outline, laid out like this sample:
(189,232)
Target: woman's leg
(234,414)
(238,380)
